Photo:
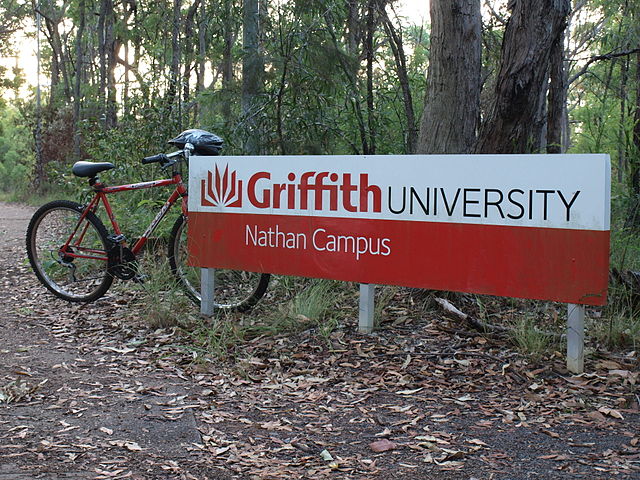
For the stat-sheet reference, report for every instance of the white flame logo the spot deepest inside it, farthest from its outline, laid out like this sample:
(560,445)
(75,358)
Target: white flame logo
(221,189)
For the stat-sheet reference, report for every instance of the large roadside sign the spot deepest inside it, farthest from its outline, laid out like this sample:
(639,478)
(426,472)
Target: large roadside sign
(529,226)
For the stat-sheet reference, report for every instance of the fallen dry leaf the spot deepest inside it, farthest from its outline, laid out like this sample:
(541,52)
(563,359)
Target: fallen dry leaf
(382,445)
(611,412)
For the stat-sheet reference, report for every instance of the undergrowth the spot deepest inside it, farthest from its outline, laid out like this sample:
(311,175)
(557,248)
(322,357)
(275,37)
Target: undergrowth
(323,307)
(165,303)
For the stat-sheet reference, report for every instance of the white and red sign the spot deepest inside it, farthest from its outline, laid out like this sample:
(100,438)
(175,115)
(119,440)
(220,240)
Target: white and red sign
(531,226)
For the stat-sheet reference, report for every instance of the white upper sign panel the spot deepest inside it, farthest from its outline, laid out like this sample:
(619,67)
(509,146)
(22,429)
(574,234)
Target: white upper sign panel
(547,191)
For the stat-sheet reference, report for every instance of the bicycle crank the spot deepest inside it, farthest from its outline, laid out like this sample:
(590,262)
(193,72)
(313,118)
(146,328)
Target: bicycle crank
(122,262)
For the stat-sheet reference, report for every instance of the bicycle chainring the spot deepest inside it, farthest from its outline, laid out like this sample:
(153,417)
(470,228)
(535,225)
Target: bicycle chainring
(122,262)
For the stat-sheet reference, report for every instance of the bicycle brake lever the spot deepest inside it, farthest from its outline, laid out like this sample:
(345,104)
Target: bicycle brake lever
(168,164)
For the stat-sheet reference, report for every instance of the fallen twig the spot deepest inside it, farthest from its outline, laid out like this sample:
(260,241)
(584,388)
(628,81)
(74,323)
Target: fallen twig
(487,328)
(471,321)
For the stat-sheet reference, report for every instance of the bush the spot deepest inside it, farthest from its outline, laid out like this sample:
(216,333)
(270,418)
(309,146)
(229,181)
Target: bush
(16,158)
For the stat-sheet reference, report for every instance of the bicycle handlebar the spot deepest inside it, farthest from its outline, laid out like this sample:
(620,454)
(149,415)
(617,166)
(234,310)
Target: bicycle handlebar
(164,159)
(161,158)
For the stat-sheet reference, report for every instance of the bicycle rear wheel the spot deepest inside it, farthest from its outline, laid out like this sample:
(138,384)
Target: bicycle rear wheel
(80,274)
(234,289)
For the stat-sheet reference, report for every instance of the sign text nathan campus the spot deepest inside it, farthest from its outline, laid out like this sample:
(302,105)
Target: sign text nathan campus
(532,226)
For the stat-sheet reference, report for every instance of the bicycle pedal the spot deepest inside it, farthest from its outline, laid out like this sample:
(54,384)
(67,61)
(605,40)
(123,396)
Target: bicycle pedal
(140,278)
(117,239)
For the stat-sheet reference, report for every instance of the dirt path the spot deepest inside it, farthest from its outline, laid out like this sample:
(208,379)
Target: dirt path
(86,403)
(91,392)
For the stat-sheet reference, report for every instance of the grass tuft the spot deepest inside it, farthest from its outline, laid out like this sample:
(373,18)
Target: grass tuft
(530,340)
(315,301)
(165,304)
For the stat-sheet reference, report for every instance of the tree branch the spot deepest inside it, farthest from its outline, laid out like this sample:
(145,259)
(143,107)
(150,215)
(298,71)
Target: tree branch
(597,58)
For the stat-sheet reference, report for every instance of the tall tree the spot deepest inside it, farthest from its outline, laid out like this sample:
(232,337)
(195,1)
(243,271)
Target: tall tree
(394,36)
(452,105)
(77,88)
(557,121)
(252,75)
(108,45)
(516,119)
(633,216)
(174,76)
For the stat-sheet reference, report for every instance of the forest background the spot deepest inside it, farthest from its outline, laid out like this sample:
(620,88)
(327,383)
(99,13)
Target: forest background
(320,77)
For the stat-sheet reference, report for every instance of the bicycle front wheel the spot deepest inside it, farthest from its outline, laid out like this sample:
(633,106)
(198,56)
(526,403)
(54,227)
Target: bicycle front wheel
(69,256)
(234,289)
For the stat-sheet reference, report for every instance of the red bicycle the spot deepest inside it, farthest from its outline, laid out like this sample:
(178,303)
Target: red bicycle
(77,259)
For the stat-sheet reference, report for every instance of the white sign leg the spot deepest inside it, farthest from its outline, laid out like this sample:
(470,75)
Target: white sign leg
(207,285)
(575,338)
(366,311)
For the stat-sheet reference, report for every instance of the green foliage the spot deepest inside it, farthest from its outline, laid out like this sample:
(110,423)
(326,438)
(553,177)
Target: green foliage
(215,338)
(530,340)
(16,158)
(315,301)
(164,304)
(625,241)
(384,296)
(619,331)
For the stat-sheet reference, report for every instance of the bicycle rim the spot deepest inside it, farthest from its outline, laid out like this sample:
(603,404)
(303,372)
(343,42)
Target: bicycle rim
(233,289)
(82,274)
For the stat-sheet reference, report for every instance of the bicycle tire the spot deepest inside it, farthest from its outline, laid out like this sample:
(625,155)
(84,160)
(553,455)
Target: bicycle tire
(234,290)
(72,279)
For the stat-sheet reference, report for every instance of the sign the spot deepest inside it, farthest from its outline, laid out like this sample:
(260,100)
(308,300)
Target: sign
(530,226)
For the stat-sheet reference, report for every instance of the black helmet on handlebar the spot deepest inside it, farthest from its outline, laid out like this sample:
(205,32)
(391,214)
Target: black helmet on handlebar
(204,143)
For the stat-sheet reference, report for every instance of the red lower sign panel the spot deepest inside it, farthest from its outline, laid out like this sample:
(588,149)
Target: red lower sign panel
(540,263)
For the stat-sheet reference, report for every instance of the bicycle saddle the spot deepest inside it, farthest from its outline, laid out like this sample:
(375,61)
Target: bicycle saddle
(204,143)
(90,169)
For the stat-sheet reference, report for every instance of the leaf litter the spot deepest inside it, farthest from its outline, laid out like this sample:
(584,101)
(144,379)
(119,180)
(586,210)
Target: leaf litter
(419,398)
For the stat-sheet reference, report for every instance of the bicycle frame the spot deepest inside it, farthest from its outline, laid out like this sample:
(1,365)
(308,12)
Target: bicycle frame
(101,196)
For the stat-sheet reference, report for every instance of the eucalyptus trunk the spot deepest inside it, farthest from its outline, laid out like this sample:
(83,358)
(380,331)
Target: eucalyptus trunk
(370,53)
(252,76)
(77,90)
(557,134)
(633,216)
(515,121)
(395,42)
(227,62)
(452,105)
(174,75)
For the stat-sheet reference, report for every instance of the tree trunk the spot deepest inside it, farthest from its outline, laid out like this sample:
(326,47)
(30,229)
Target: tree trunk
(353,24)
(557,136)
(77,101)
(189,26)
(633,217)
(532,30)
(452,105)
(102,52)
(175,57)
(395,41)
(227,63)
(113,45)
(622,143)
(202,55)
(369,52)
(53,38)
(252,76)
(349,65)
(108,46)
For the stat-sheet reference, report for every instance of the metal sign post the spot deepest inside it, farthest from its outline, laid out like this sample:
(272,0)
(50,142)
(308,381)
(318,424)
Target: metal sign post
(207,285)
(575,338)
(367,308)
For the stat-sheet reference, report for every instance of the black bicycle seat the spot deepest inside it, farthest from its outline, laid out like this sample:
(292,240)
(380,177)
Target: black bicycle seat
(90,169)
